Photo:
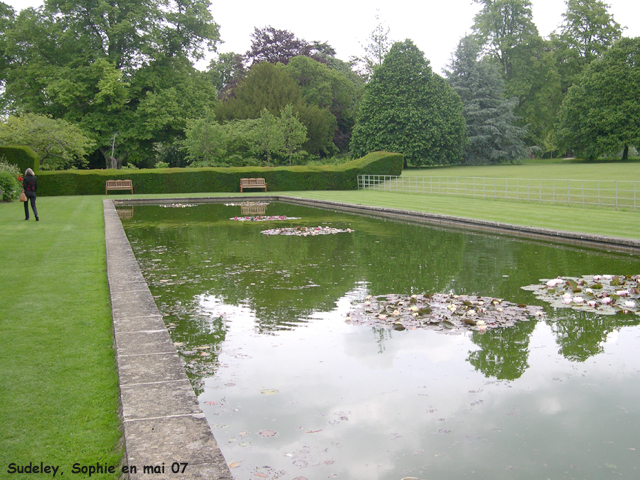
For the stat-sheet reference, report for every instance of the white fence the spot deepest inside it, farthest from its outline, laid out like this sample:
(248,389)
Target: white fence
(586,193)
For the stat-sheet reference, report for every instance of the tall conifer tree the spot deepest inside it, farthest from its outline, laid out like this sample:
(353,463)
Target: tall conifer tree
(494,136)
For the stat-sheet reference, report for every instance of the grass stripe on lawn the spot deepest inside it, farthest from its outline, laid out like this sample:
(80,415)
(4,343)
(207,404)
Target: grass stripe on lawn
(59,392)
(596,221)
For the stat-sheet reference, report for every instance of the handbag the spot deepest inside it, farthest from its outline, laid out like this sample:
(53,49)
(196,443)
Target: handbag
(23,197)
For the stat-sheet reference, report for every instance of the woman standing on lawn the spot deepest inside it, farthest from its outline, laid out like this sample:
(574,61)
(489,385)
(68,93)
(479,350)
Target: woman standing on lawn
(30,185)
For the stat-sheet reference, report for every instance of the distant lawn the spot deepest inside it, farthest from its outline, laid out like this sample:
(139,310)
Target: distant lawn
(613,223)
(542,169)
(59,385)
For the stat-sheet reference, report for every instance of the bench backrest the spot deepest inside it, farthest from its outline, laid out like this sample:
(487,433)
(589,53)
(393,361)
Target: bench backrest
(252,181)
(118,183)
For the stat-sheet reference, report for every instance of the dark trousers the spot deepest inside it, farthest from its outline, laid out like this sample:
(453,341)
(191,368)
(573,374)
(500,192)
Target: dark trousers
(32,198)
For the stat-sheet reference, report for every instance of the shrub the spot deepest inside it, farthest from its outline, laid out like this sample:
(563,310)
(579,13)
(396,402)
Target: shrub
(9,185)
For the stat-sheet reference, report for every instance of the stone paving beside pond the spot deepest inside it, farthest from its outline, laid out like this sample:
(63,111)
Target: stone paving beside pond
(164,427)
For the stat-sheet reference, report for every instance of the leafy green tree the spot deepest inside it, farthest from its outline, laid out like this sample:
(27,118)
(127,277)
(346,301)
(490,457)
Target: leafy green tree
(226,72)
(123,70)
(330,88)
(294,133)
(587,31)
(493,133)
(408,109)
(205,140)
(271,87)
(269,137)
(58,143)
(600,113)
(503,25)
(7,17)
(511,38)
(240,135)
(535,82)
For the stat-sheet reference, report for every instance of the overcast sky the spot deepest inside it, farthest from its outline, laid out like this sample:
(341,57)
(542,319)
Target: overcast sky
(435,26)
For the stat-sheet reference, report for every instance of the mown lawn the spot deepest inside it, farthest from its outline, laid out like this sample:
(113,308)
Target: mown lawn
(541,169)
(59,385)
(609,222)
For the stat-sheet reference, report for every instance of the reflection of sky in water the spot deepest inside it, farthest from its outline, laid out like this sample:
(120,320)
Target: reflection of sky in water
(364,403)
(355,402)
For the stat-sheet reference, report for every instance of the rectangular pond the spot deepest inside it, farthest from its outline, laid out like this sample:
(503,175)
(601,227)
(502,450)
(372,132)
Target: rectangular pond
(294,389)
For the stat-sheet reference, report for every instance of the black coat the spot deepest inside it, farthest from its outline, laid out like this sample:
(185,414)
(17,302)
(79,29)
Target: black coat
(30,183)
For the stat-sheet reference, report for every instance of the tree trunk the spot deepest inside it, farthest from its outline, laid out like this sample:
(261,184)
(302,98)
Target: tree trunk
(625,152)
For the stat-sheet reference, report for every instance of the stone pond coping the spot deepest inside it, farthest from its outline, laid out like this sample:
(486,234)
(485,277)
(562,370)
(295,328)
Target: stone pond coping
(161,418)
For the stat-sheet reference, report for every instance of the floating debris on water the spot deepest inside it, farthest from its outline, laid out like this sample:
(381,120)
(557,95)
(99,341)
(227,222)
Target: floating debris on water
(440,311)
(306,231)
(179,205)
(603,294)
(263,218)
(246,204)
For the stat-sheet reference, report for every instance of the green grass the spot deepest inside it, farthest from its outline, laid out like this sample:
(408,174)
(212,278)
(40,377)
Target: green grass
(541,169)
(613,223)
(59,392)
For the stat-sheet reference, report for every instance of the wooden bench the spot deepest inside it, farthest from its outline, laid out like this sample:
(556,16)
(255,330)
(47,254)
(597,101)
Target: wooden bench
(252,183)
(118,185)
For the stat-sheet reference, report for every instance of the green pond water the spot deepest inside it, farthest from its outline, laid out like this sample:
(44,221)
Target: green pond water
(292,391)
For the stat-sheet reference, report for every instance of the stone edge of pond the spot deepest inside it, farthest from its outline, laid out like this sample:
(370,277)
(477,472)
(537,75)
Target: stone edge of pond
(161,418)
(558,236)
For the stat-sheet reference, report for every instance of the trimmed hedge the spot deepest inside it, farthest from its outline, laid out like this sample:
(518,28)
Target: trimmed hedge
(195,180)
(22,156)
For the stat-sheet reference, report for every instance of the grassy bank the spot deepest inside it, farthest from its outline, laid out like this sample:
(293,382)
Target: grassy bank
(59,392)
(541,169)
(613,223)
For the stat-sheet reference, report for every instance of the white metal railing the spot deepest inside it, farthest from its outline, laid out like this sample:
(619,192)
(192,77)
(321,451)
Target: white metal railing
(600,193)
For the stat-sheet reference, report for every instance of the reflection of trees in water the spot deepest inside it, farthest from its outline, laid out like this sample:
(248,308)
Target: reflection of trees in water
(191,329)
(581,335)
(381,335)
(504,352)
(284,280)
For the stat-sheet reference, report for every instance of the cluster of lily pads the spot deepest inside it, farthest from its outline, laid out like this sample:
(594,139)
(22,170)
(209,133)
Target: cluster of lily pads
(603,294)
(306,231)
(178,205)
(263,218)
(246,204)
(440,311)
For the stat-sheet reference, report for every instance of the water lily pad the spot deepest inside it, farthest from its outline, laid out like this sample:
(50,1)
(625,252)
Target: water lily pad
(305,231)
(601,294)
(263,218)
(445,312)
